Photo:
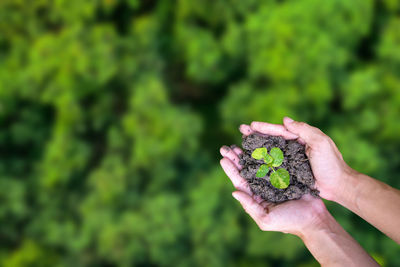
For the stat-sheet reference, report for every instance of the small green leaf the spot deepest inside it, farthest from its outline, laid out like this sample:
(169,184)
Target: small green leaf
(268,159)
(280,178)
(262,171)
(277,156)
(259,153)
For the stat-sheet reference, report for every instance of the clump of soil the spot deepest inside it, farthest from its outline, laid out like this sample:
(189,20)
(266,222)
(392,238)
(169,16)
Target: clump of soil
(295,162)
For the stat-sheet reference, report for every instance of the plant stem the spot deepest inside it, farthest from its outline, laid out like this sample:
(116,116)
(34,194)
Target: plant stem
(273,168)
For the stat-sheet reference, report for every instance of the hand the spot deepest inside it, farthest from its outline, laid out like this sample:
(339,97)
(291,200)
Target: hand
(329,169)
(307,217)
(296,217)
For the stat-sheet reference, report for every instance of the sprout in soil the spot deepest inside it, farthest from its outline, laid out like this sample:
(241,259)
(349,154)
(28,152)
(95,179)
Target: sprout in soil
(279,178)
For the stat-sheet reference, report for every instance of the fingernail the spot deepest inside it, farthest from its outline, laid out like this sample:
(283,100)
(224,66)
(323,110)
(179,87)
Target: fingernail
(226,148)
(234,196)
(289,120)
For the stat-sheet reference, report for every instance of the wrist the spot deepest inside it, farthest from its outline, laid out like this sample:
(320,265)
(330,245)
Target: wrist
(345,193)
(321,222)
(331,245)
(326,226)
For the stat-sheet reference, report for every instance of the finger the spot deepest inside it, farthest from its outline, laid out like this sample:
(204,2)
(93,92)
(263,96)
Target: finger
(245,129)
(267,206)
(254,209)
(301,141)
(258,199)
(236,149)
(243,185)
(272,129)
(310,135)
(307,197)
(229,153)
(233,173)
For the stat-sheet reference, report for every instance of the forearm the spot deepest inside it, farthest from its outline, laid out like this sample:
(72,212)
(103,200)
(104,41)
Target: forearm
(331,245)
(375,202)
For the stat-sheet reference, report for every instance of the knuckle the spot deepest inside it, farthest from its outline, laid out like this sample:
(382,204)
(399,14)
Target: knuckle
(242,185)
(257,126)
(301,124)
(232,155)
(321,141)
(318,132)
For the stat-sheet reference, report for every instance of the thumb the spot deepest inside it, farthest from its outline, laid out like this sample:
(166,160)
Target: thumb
(252,207)
(310,135)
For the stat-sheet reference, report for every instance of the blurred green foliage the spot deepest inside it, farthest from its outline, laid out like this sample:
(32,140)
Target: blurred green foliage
(112,113)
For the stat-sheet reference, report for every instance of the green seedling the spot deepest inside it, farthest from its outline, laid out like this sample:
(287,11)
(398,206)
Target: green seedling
(279,178)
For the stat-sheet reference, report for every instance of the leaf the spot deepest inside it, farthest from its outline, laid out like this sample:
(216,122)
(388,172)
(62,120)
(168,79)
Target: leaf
(259,153)
(268,159)
(280,178)
(277,156)
(262,171)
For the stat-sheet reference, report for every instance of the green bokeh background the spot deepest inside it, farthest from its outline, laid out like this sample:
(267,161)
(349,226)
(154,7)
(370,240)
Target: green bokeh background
(112,114)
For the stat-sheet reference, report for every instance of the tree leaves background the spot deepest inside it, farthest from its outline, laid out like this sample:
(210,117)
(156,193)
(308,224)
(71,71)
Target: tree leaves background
(112,113)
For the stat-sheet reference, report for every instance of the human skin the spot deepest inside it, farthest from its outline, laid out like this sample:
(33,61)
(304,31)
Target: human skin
(306,218)
(372,200)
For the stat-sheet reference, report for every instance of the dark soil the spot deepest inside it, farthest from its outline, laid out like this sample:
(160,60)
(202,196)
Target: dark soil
(295,162)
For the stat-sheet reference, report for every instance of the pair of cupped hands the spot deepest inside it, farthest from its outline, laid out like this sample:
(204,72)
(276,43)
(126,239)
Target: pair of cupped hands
(297,216)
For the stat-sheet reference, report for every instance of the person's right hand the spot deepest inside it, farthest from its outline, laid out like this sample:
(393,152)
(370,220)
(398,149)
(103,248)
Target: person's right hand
(329,169)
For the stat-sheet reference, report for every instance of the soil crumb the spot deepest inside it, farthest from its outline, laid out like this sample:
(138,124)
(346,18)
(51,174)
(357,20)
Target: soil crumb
(295,162)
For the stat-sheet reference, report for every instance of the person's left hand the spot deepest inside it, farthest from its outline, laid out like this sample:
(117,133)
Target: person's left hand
(295,217)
